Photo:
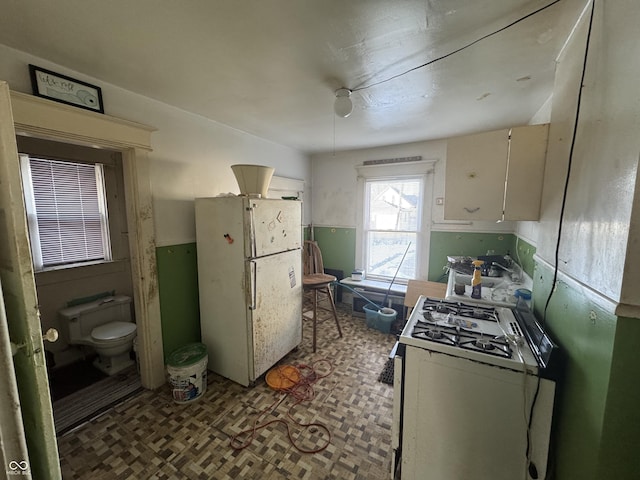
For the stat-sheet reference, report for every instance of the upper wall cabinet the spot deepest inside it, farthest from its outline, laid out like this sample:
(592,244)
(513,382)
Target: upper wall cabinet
(496,175)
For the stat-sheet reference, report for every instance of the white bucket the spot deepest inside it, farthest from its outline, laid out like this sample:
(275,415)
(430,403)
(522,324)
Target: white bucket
(187,371)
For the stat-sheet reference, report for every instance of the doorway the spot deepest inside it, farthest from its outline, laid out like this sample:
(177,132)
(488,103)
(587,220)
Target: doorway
(26,115)
(78,389)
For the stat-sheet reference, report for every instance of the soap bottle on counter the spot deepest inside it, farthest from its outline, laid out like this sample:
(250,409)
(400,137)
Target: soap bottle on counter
(476,280)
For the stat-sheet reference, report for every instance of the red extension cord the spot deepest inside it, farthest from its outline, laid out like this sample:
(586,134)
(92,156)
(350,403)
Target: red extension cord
(301,390)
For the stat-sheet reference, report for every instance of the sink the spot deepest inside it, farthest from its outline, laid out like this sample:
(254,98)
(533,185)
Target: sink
(497,291)
(488,282)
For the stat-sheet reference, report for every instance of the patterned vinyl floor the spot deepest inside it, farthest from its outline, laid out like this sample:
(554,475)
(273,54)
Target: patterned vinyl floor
(151,437)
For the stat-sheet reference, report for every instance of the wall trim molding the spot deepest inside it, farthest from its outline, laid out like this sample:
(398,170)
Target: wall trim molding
(602,301)
(32,116)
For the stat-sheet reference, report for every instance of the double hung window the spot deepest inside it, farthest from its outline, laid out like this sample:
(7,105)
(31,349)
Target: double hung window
(66,212)
(391,226)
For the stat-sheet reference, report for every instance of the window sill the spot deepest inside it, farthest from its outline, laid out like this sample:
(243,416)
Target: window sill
(375,285)
(77,272)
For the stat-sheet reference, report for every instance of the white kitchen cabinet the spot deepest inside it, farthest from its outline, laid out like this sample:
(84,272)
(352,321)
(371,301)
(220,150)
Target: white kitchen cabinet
(496,175)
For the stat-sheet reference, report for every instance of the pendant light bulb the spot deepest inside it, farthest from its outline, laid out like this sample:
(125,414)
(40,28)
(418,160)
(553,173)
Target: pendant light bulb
(343,105)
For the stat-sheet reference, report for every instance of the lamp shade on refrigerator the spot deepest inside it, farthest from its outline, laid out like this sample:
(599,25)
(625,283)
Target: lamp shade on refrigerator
(250,282)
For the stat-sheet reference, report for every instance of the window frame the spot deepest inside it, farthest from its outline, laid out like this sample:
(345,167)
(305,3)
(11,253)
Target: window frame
(366,225)
(423,169)
(32,219)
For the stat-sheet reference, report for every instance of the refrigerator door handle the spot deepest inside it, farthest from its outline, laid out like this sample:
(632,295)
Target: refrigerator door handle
(254,274)
(252,232)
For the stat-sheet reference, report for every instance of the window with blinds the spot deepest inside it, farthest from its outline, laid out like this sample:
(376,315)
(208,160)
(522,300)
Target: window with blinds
(66,212)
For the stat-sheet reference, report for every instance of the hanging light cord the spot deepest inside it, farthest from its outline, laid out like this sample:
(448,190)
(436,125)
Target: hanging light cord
(301,390)
(430,62)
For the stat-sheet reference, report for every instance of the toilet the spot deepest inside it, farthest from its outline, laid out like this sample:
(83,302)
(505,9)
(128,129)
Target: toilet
(107,326)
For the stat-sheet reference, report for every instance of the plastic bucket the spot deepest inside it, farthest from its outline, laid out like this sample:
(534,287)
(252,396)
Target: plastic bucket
(371,315)
(379,319)
(187,372)
(386,317)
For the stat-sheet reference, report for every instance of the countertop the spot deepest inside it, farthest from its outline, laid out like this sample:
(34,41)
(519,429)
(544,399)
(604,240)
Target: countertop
(501,295)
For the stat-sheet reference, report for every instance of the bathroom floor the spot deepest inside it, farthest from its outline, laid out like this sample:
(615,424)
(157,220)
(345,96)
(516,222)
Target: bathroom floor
(150,436)
(64,381)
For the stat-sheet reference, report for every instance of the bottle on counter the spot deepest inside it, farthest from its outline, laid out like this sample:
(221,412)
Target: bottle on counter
(523,295)
(476,280)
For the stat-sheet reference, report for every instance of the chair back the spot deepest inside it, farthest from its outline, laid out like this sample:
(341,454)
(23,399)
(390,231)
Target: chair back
(311,258)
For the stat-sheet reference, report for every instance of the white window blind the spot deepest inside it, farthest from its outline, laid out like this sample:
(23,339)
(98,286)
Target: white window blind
(67,214)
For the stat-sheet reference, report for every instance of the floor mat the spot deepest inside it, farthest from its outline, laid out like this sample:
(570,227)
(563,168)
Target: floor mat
(85,404)
(386,376)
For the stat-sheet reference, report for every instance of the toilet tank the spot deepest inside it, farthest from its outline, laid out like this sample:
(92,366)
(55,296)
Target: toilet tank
(78,321)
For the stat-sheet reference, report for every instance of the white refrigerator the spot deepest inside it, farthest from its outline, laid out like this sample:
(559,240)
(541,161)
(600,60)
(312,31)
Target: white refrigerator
(250,282)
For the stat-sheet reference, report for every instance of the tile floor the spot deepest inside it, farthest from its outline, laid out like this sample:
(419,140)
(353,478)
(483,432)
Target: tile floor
(151,437)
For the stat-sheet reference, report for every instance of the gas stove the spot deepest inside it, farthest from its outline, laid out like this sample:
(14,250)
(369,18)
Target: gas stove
(489,366)
(483,333)
(463,337)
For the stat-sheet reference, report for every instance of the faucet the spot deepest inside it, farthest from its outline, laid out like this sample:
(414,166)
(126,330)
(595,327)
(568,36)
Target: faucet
(515,276)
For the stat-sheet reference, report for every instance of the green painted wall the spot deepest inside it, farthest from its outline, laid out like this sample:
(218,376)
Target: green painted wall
(179,299)
(596,433)
(621,432)
(338,246)
(465,243)
(524,252)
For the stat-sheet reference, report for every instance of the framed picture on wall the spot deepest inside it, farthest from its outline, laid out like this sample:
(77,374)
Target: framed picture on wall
(58,87)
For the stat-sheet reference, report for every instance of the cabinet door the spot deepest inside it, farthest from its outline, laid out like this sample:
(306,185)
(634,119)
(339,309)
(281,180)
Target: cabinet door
(475,176)
(526,171)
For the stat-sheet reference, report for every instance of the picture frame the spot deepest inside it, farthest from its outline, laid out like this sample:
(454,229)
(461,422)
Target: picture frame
(64,89)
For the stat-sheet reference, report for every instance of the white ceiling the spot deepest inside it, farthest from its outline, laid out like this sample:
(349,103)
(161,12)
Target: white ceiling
(270,67)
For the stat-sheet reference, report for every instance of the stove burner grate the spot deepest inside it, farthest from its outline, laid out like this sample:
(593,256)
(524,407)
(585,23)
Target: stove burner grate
(459,309)
(484,344)
(426,314)
(440,334)
(491,345)
(435,334)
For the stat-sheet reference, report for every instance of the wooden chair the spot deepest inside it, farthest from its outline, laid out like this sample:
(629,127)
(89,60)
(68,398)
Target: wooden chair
(315,281)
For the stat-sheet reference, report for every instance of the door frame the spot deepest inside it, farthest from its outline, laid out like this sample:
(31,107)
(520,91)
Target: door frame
(46,119)
(38,117)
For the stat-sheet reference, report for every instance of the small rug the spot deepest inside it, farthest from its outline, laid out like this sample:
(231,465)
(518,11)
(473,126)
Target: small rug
(85,404)
(386,376)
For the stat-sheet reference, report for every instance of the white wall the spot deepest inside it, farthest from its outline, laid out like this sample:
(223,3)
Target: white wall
(596,228)
(191,155)
(335,180)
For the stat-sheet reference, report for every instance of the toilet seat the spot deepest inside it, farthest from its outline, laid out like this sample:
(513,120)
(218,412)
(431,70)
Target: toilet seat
(112,331)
